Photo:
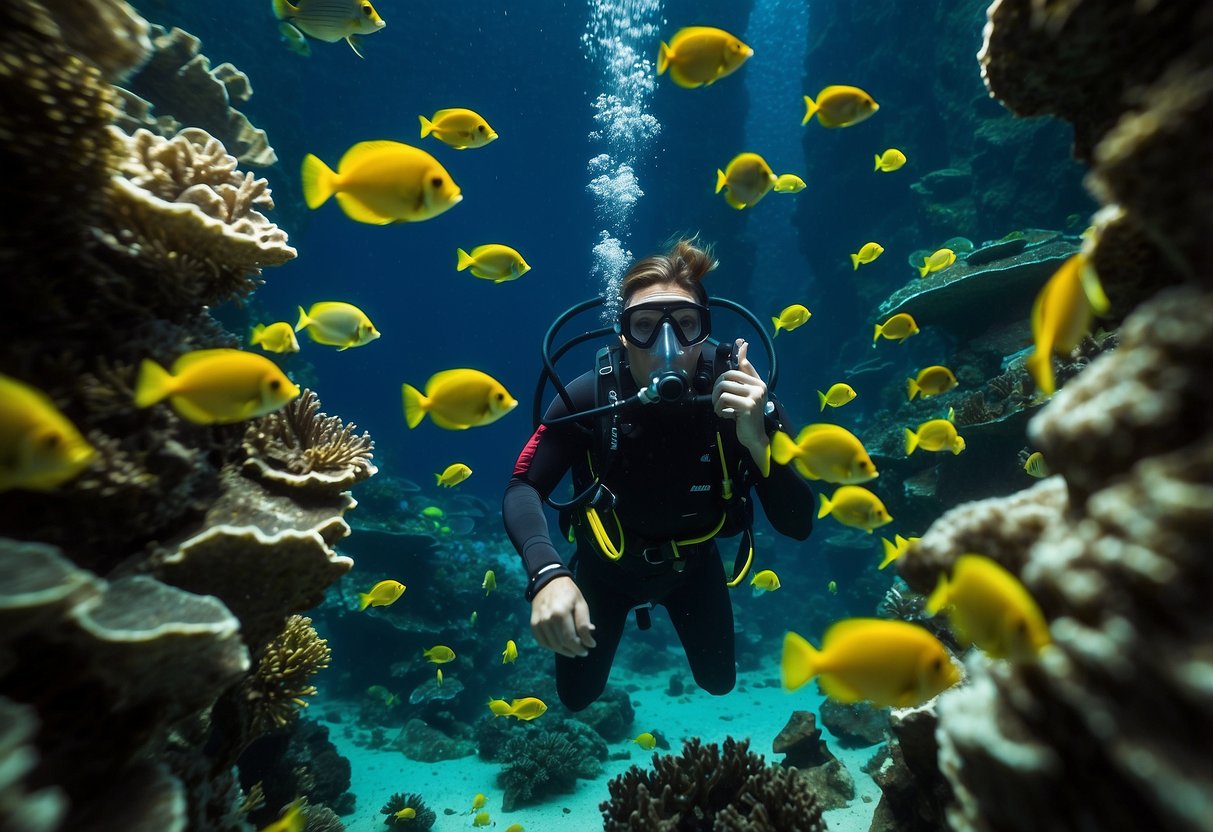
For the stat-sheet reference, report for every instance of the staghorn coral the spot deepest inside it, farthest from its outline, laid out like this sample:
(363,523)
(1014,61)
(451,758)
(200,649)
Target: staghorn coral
(282,677)
(422,822)
(301,447)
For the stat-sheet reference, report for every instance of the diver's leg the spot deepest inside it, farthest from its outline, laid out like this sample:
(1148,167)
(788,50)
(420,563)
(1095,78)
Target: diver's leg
(702,613)
(581,680)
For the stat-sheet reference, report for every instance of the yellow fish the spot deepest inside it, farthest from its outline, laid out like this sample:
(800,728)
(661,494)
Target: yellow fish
(646,741)
(382,594)
(748,178)
(279,337)
(838,395)
(791,317)
(438,677)
(832,586)
(892,664)
(788,183)
(699,55)
(514,827)
(510,654)
(1062,315)
(337,324)
(482,819)
(839,106)
(292,819)
(493,262)
(931,381)
(940,259)
(866,254)
(383,695)
(331,20)
(439,654)
(212,387)
(989,607)
(825,452)
(765,581)
(40,448)
(897,328)
(855,506)
(471,618)
(890,160)
(499,707)
(527,708)
(407,813)
(453,474)
(382,182)
(294,39)
(935,435)
(458,127)
(489,583)
(895,549)
(458,399)
(479,801)
(1036,466)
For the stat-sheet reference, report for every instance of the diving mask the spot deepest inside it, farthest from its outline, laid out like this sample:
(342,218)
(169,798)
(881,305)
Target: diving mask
(666,330)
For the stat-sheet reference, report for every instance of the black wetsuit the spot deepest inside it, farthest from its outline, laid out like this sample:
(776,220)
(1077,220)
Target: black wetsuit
(666,477)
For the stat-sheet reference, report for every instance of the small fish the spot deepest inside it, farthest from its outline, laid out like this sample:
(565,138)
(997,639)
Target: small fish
(433,513)
(499,707)
(471,618)
(745,181)
(510,654)
(439,654)
(40,448)
(839,106)
(825,452)
(646,741)
(890,160)
(337,324)
(478,802)
(940,259)
(788,183)
(989,607)
(278,337)
(838,395)
(1036,465)
(832,586)
(382,182)
(855,506)
(494,262)
(482,819)
(438,677)
(331,20)
(213,387)
(897,328)
(527,708)
(888,663)
(934,435)
(931,381)
(866,254)
(452,475)
(701,55)
(458,399)
(790,318)
(383,695)
(294,39)
(458,127)
(407,813)
(382,594)
(1061,315)
(291,820)
(895,549)
(765,581)
(515,827)
(489,583)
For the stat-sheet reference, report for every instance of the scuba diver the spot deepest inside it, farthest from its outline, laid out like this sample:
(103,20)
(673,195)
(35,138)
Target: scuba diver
(665,440)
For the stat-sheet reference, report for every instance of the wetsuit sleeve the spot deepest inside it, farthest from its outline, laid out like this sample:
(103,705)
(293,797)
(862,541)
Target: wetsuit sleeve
(786,499)
(543,462)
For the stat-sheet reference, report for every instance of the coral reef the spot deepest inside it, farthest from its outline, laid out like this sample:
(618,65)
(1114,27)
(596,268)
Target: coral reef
(913,791)
(855,724)
(541,764)
(22,810)
(424,819)
(803,748)
(282,677)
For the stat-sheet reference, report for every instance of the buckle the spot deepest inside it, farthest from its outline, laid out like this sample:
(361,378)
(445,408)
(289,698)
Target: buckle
(602,500)
(646,554)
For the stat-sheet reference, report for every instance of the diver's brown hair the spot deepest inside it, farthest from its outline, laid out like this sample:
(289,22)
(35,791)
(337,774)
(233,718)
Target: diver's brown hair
(683,265)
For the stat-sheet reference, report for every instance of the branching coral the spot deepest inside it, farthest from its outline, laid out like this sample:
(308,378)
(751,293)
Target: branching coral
(541,764)
(276,688)
(422,821)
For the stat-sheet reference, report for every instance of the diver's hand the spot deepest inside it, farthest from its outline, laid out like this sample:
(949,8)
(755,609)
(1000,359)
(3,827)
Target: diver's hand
(560,619)
(741,395)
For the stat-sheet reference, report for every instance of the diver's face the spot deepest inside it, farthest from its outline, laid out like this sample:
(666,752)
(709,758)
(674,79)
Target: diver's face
(642,362)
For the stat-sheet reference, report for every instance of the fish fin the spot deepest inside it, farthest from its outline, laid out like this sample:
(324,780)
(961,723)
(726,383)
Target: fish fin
(826,505)
(358,211)
(799,661)
(810,107)
(443,422)
(153,385)
(938,599)
(877,163)
(854,262)
(822,396)
(304,320)
(664,54)
(890,553)
(427,126)
(783,449)
(721,180)
(1040,365)
(353,41)
(923,269)
(319,181)
(1092,288)
(465,260)
(414,405)
(775,321)
(912,388)
(911,441)
(837,690)
(283,9)
(876,334)
(192,413)
(257,334)
(734,201)
(364,600)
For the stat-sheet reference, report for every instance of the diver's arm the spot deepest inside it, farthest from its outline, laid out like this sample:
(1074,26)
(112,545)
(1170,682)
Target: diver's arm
(786,499)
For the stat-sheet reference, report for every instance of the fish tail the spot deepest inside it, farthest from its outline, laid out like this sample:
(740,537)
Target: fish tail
(256,334)
(1040,365)
(810,107)
(877,163)
(364,600)
(826,505)
(664,54)
(912,389)
(721,180)
(319,181)
(923,269)
(822,396)
(427,126)
(1092,288)
(154,384)
(939,598)
(854,262)
(911,441)
(304,320)
(283,9)
(466,261)
(890,553)
(782,448)
(799,662)
(876,334)
(414,405)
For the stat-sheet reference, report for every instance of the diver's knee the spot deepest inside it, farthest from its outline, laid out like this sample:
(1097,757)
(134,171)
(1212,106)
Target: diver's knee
(578,696)
(719,683)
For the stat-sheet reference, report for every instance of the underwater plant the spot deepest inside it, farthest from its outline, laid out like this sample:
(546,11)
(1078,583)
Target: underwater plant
(283,676)
(422,818)
(542,764)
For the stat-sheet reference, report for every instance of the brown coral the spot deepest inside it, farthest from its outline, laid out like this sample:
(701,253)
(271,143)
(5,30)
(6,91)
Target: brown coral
(276,688)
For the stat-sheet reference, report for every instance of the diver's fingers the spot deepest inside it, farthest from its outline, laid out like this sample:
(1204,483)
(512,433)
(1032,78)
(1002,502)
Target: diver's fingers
(550,634)
(738,388)
(581,620)
(743,361)
(570,642)
(728,405)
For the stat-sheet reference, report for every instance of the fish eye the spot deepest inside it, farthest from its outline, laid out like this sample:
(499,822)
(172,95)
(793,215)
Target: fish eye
(481,128)
(501,397)
(367,9)
(51,440)
(937,665)
(436,181)
(275,385)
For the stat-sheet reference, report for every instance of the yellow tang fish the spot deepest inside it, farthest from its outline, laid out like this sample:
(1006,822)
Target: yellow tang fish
(458,399)
(935,435)
(931,381)
(337,324)
(279,337)
(839,106)
(832,586)
(838,395)
(888,663)
(489,583)
(765,581)
(791,317)
(825,452)
(937,260)
(866,254)
(1062,315)
(438,677)
(855,506)
(527,708)
(895,549)
(382,594)
(212,387)
(479,801)
(382,182)
(515,827)
(294,39)
(471,618)
(291,820)
(646,741)
(890,160)
(748,179)
(1036,466)
(383,695)
(453,474)
(407,813)
(510,654)
(897,328)
(40,448)
(499,707)
(789,183)
(699,55)
(458,127)
(439,654)
(493,262)
(989,607)
(331,20)
(482,819)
